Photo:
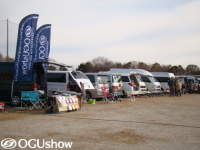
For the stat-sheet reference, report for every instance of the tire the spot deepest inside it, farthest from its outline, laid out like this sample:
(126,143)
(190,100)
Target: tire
(15,100)
(88,95)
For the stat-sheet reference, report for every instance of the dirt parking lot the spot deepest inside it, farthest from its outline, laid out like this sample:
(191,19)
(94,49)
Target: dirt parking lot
(163,122)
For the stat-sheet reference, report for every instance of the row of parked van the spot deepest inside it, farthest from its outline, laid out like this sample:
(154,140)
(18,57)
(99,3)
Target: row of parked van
(116,80)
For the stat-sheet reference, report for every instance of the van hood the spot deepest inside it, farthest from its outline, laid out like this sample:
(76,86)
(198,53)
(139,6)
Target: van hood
(157,83)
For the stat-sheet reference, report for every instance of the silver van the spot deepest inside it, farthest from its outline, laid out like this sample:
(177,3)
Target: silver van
(115,82)
(67,81)
(131,81)
(98,81)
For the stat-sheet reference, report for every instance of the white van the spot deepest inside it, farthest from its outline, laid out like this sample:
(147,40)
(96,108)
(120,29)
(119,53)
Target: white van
(131,81)
(98,81)
(115,82)
(67,81)
(194,80)
(152,83)
(163,78)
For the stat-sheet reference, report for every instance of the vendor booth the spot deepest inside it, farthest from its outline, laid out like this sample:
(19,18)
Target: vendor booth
(63,102)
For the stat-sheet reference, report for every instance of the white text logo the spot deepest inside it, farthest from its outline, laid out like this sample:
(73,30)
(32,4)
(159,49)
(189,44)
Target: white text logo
(9,143)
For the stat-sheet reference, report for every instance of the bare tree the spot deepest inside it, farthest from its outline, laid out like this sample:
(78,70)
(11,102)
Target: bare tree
(155,67)
(191,68)
(174,69)
(142,65)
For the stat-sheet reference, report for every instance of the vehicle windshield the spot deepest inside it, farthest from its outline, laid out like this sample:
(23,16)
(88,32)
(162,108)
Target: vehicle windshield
(78,75)
(153,79)
(117,79)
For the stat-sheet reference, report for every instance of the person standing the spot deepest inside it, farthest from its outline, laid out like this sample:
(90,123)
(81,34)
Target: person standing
(190,86)
(83,92)
(178,87)
(171,87)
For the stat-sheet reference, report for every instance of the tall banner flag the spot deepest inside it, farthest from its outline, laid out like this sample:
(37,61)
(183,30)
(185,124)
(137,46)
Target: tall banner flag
(42,44)
(24,50)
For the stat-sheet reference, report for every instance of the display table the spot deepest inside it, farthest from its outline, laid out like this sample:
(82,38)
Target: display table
(61,103)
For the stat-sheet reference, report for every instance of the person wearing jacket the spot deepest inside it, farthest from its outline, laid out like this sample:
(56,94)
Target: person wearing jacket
(171,87)
(83,92)
(178,87)
(190,86)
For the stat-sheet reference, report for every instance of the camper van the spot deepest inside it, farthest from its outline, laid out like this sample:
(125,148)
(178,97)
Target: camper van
(151,82)
(163,78)
(115,82)
(131,81)
(11,91)
(67,81)
(98,81)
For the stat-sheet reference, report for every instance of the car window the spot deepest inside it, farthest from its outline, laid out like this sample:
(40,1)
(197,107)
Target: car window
(162,79)
(116,79)
(125,79)
(153,79)
(108,78)
(56,77)
(102,79)
(91,78)
(78,75)
(145,79)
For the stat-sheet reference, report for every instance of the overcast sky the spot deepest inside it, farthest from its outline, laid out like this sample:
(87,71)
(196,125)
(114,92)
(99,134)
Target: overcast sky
(163,31)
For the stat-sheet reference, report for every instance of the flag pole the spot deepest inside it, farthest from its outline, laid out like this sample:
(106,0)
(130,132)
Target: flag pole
(7,40)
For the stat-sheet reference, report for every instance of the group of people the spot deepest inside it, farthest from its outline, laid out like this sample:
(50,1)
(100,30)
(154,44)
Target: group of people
(175,87)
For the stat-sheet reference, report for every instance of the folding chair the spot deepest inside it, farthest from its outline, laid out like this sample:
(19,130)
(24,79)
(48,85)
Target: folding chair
(41,102)
(107,97)
(31,100)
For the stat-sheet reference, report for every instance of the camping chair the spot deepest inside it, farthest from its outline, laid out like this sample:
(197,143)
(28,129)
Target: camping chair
(106,96)
(31,100)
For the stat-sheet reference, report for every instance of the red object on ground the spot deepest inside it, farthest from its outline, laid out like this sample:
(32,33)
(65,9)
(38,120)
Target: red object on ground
(2,106)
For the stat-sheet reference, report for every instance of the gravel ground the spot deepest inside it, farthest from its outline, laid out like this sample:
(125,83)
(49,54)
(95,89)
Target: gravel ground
(156,123)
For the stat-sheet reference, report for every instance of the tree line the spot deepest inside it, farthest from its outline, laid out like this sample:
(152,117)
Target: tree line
(104,64)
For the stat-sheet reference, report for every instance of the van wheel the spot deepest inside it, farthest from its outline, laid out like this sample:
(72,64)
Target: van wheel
(88,95)
(15,100)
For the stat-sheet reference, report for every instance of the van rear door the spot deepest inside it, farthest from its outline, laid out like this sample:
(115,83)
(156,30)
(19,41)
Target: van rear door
(81,77)
(57,80)
(117,85)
